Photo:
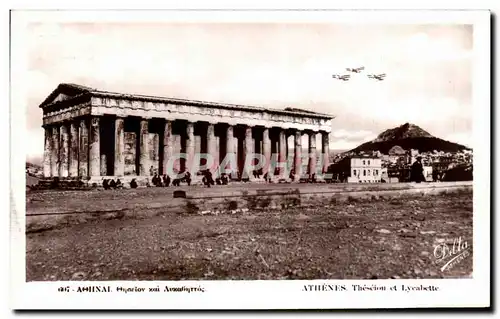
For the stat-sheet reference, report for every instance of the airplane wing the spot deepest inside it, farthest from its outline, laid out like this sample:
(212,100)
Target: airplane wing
(377,76)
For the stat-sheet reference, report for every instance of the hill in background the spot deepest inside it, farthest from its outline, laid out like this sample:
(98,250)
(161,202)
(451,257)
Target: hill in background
(409,136)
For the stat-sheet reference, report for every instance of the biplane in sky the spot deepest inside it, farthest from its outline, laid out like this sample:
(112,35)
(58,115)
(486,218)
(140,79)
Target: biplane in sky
(379,77)
(355,70)
(343,77)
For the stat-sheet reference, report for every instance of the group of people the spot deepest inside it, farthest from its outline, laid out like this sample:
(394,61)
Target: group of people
(165,180)
(112,184)
(437,175)
(207,179)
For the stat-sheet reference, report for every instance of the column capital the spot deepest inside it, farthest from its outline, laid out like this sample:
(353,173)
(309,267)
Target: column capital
(94,121)
(311,131)
(212,122)
(293,130)
(65,121)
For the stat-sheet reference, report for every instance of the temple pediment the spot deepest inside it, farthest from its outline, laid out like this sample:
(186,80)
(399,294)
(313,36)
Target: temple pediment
(61,97)
(65,91)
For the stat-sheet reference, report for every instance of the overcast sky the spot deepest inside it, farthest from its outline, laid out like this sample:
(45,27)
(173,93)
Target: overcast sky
(428,70)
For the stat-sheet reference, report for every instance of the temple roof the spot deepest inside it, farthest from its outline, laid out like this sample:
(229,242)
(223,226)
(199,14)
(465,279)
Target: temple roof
(74,90)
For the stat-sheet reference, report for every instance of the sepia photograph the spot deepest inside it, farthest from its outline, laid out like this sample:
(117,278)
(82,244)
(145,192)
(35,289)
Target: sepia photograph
(218,149)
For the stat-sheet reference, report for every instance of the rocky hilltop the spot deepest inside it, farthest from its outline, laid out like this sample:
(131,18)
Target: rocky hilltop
(408,136)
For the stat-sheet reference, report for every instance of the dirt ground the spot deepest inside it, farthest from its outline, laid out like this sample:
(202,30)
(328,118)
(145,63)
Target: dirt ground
(357,239)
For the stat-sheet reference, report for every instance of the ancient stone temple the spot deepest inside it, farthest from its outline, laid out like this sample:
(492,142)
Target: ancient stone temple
(92,133)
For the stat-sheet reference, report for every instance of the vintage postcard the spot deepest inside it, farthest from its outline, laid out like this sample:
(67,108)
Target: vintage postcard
(250,159)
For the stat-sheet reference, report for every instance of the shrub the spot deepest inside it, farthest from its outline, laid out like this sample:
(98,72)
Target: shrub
(232,205)
(351,199)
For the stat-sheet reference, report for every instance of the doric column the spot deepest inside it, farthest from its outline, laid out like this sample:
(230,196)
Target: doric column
(64,151)
(266,145)
(190,147)
(143,148)
(247,150)
(94,148)
(47,152)
(229,139)
(83,152)
(312,153)
(282,150)
(54,158)
(325,150)
(211,145)
(104,164)
(168,144)
(119,169)
(230,148)
(297,160)
(73,150)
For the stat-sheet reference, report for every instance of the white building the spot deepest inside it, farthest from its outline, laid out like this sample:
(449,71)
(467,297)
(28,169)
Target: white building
(427,173)
(365,170)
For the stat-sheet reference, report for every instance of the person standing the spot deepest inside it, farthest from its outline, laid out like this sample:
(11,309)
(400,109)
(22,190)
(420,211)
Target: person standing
(166,180)
(417,171)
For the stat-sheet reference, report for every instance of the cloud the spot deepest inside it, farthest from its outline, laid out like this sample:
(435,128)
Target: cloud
(357,135)
(422,48)
(34,143)
(342,144)
(464,138)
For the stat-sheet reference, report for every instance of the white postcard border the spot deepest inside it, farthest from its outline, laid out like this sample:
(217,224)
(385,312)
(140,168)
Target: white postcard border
(472,292)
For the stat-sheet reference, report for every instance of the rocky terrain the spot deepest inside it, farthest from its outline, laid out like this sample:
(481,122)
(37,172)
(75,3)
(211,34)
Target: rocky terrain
(356,239)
